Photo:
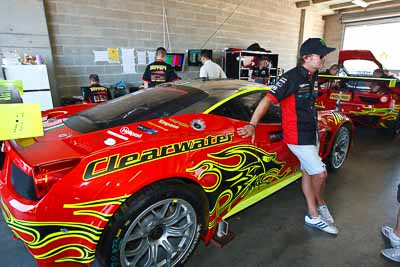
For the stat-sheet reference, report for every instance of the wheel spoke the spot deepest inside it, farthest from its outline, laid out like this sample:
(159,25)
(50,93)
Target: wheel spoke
(135,236)
(153,254)
(161,214)
(168,248)
(178,231)
(137,253)
(174,216)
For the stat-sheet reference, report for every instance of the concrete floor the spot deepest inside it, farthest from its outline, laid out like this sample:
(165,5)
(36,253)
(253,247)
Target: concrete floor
(362,197)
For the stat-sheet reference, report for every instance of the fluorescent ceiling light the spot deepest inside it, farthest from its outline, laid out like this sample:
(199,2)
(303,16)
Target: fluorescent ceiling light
(360,3)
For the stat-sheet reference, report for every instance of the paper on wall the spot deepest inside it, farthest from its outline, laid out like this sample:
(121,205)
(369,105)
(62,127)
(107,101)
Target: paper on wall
(128,60)
(113,55)
(20,121)
(100,56)
(151,56)
(141,57)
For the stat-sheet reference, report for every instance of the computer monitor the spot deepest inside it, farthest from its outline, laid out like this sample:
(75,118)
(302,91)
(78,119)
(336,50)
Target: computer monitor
(176,60)
(195,55)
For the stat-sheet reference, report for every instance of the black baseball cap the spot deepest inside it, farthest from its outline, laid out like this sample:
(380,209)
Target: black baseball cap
(315,46)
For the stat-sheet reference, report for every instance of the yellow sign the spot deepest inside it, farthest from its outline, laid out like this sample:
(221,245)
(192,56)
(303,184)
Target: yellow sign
(392,83)
(113,55)
(11,84)
(20,121)
(344,97)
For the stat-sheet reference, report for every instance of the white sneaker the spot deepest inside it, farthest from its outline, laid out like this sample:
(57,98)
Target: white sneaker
(392,253)
(389,233)
(321,224)
(326,215)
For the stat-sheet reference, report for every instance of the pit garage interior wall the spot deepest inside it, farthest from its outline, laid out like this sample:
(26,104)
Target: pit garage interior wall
(333,32)
(78,27)
(23,28)
(81,26)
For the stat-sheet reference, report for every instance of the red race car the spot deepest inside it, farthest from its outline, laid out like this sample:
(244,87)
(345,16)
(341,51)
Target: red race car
(367,100)
(138,180)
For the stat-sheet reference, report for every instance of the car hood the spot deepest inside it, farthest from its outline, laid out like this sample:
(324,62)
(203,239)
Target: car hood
(357,54)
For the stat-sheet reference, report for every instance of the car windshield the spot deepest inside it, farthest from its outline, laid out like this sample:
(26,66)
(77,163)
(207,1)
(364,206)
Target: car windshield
(142,105)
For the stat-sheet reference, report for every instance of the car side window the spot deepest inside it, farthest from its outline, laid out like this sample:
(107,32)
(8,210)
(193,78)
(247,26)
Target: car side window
(243,107)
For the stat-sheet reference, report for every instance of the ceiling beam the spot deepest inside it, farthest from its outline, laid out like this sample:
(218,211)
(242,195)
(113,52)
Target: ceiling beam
(378,5)
(350,4)
(302,4)
(320,1)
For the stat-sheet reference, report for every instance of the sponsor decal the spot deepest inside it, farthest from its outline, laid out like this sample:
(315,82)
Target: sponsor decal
(179,123)
(146,129)
(127,131)
(52,126)
(280,83)
(117,135)
(117,162)
(227,184)
(158,126)
(158,67)
(340,96)
(165,123)
(110,142)
(198,125)
(64,135)
(62,241)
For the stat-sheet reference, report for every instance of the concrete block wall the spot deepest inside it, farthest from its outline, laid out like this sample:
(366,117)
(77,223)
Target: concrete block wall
(23,28)
(313,24)
(77,27)
(333,35)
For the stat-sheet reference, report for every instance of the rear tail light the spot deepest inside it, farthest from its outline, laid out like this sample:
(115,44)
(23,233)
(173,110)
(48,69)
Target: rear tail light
(46,175)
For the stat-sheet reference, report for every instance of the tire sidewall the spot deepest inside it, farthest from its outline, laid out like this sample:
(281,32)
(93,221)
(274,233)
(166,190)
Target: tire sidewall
(331,156)
(114,235)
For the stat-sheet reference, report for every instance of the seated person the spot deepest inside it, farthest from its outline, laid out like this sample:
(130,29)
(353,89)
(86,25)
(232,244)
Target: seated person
(378,87)
(329,82)
(95,93)
(260,72)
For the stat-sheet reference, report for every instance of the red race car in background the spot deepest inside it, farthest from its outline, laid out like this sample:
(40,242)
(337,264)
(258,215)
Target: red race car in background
(367,100)
(138,180)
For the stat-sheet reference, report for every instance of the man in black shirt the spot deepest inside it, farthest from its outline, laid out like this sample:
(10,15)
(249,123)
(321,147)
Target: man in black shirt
(95,93)
(159,72)
(296,92)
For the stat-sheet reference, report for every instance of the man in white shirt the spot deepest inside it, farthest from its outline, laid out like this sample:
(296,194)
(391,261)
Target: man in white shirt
(210,70)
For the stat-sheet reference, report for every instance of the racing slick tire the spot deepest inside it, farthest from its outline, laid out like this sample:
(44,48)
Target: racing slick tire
(158,226)
(339,150)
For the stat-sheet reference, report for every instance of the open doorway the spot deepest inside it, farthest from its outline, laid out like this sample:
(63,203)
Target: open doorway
(380,38)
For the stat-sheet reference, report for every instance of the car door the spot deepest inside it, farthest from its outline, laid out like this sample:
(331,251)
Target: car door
(263,167)
(269,135)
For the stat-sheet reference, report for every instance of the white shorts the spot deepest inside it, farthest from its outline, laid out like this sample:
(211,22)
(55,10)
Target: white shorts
(309,158)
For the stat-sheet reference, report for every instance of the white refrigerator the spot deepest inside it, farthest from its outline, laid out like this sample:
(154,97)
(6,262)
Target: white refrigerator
(35,82)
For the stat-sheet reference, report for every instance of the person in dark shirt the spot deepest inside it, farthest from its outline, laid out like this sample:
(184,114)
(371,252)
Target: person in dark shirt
(296,92)
(379,87)
(159,72)
(95,93)
(330,83)
(260,72)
